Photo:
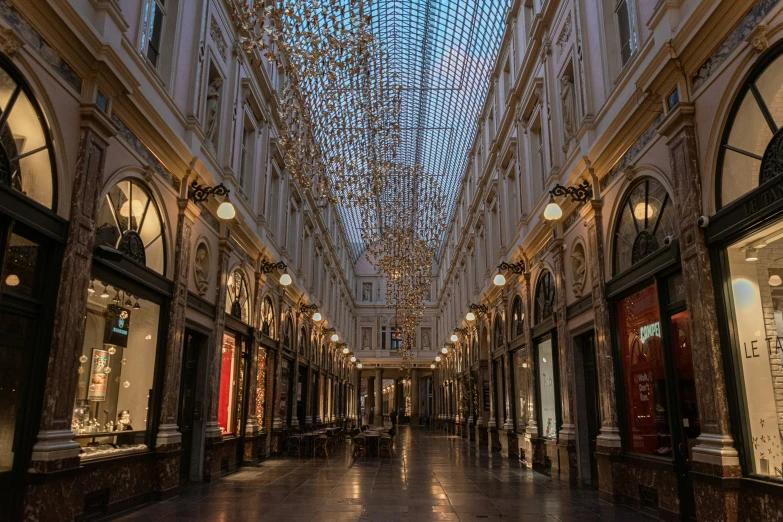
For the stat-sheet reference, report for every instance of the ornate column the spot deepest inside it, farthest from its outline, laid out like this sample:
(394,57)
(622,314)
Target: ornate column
(608,442)
(213,434)
(492,424)
(534,448)
(415,391)
(55,448)
(569,471)
(714,453)
(310,394)
(379,397)
(370,402)
(294,400)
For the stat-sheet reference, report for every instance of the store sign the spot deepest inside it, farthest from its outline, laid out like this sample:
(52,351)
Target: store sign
(98,376)
(651,330)
(117,326)
(764,199)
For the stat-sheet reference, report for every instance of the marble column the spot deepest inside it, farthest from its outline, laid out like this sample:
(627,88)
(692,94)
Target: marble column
(213,431)
(508,424)
(310,391)
(566,437)
(379,397)
(714,453)
(55,449)
(294,401)
(415,392)
(370,402)
(492,424)
(277,421)
(534,446)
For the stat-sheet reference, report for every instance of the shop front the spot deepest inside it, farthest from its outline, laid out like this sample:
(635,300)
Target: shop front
(746,246)
(655,385)
(547,375)
(32,239)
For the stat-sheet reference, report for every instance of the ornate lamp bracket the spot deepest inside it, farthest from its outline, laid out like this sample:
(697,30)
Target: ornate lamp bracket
(267,267)
(478,309)
(200,193)
(578,193)
(517,268)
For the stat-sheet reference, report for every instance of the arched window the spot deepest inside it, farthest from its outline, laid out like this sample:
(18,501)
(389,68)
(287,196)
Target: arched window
(517,319)
(498,332)
(302,340)
(238,297)
(545,297)
(26,152)
(129,220)
(268,318)
(288,330)
(646,217)
(752,133)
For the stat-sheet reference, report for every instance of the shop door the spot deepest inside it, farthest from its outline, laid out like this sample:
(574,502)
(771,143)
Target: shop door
(190,410)
(685,413)
(587,343)
(28,290)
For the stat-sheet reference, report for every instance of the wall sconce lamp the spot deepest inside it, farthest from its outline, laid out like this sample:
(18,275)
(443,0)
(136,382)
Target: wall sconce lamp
(516,268)
(200,193)
(476,310)
(267,267)
(308,309)
(579,194)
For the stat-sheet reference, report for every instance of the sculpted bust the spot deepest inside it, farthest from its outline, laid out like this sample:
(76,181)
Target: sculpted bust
(201,269)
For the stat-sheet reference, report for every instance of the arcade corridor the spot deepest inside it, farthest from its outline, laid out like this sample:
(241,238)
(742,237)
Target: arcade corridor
(432,477)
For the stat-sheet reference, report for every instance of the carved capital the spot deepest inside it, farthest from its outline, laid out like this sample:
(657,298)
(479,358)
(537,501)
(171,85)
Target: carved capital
(758,38)
(10,42)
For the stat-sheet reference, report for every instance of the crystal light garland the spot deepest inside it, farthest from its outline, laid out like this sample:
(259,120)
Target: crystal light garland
(339,131)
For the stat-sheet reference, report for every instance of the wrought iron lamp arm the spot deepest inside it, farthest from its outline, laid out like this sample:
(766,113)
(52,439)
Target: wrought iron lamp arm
(578,193)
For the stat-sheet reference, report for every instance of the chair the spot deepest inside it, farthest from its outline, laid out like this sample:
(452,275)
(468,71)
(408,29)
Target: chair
(386,444)
(359,445)
(321,442)
(294,443)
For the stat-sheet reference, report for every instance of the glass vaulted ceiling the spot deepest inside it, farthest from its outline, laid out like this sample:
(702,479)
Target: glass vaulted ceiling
(443,52)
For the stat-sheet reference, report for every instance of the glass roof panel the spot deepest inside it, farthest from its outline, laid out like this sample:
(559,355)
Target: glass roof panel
(443,52)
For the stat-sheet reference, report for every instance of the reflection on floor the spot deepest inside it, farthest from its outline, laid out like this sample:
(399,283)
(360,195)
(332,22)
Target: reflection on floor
(431,477)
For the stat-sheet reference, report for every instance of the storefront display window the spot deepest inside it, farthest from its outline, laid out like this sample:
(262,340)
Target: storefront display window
(130,221)
(756,270)
(644,379)
(546,388)
(521,383)
(113,403)
(261,387)
(227,396)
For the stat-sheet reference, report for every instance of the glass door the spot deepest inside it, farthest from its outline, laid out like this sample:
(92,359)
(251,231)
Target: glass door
(28,290)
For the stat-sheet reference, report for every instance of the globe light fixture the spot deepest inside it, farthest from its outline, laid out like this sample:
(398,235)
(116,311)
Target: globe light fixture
(201,193)
(454,338)
(226,210)
(346,350)
(499,280)
(775,280)
(444,350)
(437,358)
(359,366)
(432,366)
(552,210)
(285,279)
(335,337)
(317,317)
(470,316)
(353,359)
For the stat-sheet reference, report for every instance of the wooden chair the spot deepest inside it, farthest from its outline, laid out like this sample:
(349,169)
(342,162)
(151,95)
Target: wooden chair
(386,444)
(321,442)
(359,445)
(294,443)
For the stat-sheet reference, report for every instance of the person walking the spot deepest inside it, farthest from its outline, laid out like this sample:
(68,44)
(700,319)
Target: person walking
(393,417)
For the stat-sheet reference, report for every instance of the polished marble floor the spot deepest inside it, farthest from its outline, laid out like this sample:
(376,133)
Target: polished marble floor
(431,477)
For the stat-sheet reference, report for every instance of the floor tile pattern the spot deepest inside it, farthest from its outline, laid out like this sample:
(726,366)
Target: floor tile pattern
(431,477)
